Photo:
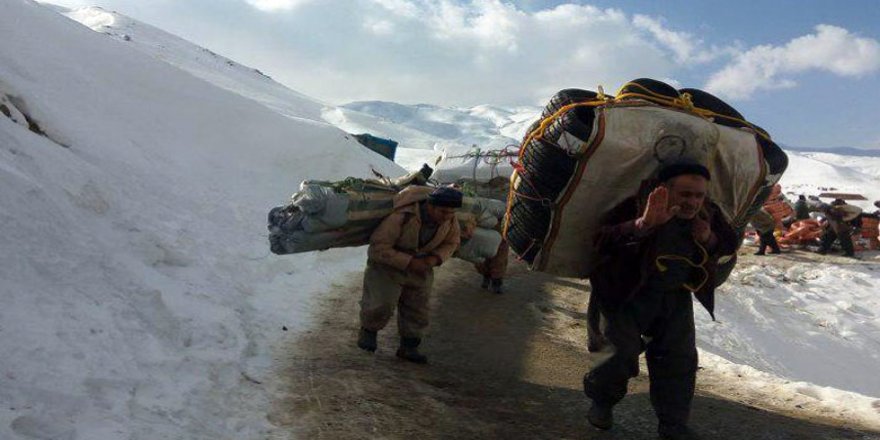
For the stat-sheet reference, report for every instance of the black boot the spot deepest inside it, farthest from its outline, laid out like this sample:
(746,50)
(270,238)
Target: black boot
(669,431)
(600,415)
(367,340)
(486,281)
(496,286)
(409,350)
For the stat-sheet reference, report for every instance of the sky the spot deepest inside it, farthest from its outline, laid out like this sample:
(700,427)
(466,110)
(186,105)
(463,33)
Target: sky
(807,71)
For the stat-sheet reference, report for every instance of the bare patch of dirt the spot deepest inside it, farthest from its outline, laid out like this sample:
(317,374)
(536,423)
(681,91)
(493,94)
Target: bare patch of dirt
(501,367)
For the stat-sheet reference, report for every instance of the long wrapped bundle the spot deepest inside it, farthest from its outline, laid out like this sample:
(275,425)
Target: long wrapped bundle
(324,215)
(589,152)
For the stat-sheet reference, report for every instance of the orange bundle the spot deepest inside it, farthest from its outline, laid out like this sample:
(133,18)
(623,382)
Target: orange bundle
(870,232)
(869,227)
(778,209)
(802,231)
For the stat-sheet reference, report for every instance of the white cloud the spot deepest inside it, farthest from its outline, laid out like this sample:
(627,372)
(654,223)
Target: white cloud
(404,8)
(685,47)
(830,48)
(488,23)
(276,5)
(458,53)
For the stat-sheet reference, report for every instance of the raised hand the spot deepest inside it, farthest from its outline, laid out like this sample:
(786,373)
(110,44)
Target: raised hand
(658,210)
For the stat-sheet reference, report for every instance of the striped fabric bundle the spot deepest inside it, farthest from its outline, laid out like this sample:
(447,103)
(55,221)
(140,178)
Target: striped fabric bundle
(324,215)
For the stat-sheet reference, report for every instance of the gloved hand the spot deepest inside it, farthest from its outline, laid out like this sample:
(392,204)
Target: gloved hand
(419,265)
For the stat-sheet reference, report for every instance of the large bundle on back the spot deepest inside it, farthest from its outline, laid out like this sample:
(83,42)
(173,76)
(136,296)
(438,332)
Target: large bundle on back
(324,215)
(590,151)
(481,172)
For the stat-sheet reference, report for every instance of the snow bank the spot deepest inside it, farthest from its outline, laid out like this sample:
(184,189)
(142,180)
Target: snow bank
(811,322)
(138,296)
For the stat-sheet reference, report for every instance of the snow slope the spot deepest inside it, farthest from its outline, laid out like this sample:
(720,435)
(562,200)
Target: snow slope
(815,173)
(199,61)
(138,299)
(814,323)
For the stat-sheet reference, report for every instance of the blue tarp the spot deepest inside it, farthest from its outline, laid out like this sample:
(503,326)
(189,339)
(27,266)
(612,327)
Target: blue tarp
(385,147)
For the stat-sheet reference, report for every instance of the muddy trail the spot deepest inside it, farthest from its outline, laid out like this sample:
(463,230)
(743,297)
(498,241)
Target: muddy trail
(502,367)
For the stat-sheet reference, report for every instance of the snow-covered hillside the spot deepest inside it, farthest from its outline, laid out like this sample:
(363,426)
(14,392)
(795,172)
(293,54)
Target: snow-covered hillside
(425,131)
(138,299)
(198,61)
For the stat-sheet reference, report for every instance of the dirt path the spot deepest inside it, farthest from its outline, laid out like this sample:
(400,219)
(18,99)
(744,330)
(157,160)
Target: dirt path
(501,367)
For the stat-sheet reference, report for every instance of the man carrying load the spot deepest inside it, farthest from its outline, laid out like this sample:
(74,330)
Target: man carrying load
(417,236)
(653,254)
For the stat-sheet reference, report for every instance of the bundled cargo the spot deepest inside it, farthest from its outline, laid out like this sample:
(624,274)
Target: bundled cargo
(324,215)
(485,173)
(589,151)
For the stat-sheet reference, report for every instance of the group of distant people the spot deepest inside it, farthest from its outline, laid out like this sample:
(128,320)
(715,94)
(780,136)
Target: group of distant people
(837,222)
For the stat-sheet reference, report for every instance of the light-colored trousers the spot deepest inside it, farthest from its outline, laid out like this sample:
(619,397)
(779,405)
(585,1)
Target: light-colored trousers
(386,287)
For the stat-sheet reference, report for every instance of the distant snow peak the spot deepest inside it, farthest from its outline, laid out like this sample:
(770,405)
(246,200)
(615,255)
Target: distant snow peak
(96,17)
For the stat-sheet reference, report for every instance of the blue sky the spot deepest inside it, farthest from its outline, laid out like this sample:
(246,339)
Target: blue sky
(807,71)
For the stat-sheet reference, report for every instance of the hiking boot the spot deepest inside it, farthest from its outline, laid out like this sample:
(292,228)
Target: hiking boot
(760,253)
(409,350)
(367,340)
(600,416)
(486,282)
(495,286)
(669,431)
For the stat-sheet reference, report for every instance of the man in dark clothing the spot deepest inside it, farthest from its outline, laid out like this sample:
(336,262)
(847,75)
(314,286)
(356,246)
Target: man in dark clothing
(837,229)
(653,254)
(764,224)
(801,209)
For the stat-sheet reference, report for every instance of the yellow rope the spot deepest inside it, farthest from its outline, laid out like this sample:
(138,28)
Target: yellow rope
(685,103)
(705,258)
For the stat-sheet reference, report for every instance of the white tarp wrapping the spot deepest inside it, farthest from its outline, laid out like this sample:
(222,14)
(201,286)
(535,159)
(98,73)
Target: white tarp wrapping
(476,165)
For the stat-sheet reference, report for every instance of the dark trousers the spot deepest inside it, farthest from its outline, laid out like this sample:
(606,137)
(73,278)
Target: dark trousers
(668,340)
(768,239)
(838,231)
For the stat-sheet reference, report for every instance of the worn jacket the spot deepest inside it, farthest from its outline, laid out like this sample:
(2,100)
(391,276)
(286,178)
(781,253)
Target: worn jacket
(627,257)
(395,242)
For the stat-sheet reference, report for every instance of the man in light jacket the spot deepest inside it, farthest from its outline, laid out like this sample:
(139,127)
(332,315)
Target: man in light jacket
(420,234)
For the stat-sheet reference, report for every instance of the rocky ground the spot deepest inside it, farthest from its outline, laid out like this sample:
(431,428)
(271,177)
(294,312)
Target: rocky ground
(505,367)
